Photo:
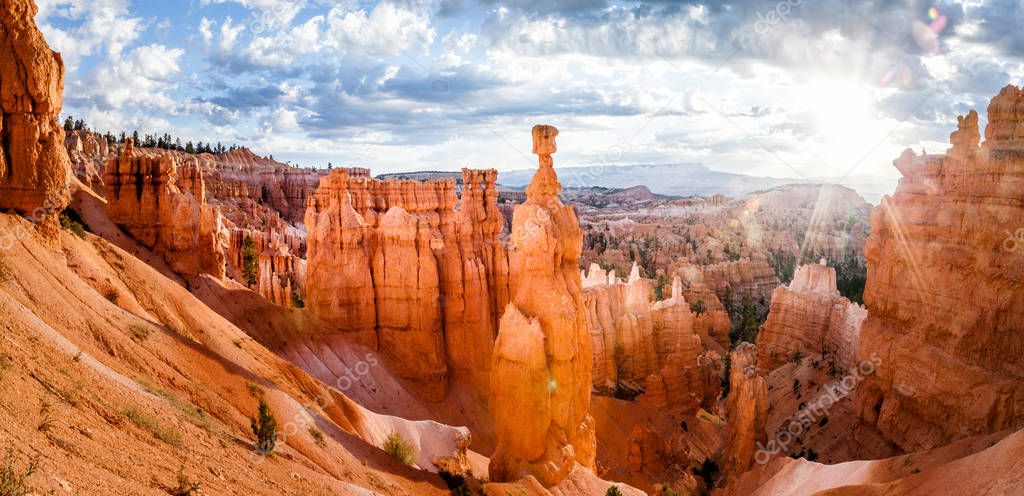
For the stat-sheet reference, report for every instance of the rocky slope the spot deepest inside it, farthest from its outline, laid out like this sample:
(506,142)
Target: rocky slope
(944,303)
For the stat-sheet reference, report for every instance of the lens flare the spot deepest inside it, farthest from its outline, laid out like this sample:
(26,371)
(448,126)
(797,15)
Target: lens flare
(933,13)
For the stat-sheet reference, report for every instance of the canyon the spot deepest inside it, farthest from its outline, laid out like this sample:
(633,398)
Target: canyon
(440,333)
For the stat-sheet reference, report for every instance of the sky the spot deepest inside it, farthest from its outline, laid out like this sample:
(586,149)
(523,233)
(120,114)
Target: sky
(791,88)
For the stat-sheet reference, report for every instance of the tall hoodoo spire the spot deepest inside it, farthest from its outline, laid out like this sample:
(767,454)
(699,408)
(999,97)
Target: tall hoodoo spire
(542,363)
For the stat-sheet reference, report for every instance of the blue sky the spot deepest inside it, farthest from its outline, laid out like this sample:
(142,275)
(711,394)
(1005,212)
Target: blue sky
(786,89)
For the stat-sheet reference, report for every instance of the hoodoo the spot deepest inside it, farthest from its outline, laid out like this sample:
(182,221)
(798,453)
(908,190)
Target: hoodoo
(34,165)
(541,369)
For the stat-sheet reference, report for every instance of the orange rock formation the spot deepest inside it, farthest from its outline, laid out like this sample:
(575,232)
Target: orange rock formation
(810,318)
(159,198)
(647,345)
(944,299)
(88,152)
(746,408)
(542,363)
(384,255)
(34,168)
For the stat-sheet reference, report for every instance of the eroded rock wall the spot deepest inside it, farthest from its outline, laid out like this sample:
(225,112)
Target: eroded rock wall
(944,298)
(407,267)
(648,346)
(35,172)
(159,198)
(809,317)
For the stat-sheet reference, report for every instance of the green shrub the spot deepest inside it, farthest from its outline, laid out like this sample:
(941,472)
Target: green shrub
(185,487)
(12,481)
(613,491)
(697,307)
(250,261)
(70,221)
(399,449)
(264,427)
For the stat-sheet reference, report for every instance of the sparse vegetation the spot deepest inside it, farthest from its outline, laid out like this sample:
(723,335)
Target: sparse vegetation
(195,414)
(264,427)
(376,480)
(167,434)
(70,221)
(250,261)
(46,418)
(317,435)
(255,390)
(697,307)
(613,491)
(399,449)
(185,486)
(6,362)
(297,301)
(5,273)
(14,482)
(139,332)
(460,485)
(659,288)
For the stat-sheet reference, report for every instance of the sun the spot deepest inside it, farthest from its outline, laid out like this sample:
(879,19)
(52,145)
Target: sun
(842,120)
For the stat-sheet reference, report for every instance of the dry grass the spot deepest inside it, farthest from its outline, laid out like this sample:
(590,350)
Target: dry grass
(400,449)
(14,482)
(169,435)
(5,272)
(139,332)
(6,362)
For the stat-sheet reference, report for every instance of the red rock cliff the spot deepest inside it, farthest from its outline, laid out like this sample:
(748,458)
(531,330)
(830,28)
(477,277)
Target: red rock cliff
(396,264)
(944,298)
(159,198)
(34,167)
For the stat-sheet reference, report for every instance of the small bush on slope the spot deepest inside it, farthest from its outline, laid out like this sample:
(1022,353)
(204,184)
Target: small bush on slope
(613,491)
(400,449)
(185,487)
(264,427)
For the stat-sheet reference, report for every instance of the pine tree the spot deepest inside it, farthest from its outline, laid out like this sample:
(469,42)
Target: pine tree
(69,124)
(189,147)
(264,427)
(250,261)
